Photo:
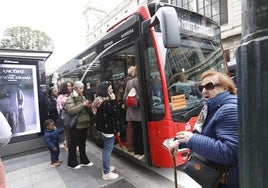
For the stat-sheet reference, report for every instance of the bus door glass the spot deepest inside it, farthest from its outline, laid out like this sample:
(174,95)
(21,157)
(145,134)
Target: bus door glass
(154,82)
(114,66)
(114,69)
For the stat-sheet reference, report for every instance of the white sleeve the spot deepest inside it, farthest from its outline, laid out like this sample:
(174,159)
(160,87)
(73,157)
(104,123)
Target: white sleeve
(5,130)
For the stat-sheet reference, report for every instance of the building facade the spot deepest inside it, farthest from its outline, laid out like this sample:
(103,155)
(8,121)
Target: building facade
(99,20)
(225,12)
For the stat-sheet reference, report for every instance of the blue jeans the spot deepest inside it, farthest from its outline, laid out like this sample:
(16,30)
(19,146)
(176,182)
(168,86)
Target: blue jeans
(108,146)
(54,155)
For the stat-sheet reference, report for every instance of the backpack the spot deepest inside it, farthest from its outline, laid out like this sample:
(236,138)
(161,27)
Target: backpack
(132,97)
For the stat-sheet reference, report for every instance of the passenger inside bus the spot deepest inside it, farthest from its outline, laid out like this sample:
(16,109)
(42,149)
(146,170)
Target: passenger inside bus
(134,115)
(126,136)
(156,87)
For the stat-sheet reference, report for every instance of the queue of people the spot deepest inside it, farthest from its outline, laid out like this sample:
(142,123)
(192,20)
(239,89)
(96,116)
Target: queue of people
(72,99)
(108,115)
(215,135)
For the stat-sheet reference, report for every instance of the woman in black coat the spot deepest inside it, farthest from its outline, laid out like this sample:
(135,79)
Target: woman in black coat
(108,121)
(51,101)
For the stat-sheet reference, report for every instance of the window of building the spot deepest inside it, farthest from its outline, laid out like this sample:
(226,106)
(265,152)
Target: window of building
(223,12)
(187,4)
(214,9)
(164,1)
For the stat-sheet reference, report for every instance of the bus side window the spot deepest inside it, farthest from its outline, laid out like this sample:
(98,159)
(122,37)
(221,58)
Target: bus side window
(157,88)
(157,102)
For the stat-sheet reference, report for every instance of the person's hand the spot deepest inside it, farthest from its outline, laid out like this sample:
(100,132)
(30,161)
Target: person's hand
(184,136)
(55,149)
(86,102)
(89,104)
(173,147)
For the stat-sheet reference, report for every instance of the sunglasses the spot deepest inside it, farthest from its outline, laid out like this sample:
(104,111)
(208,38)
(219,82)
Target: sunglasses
(208,86)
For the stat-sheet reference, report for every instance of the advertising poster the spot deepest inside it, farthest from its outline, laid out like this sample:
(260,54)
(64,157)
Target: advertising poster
(19,98)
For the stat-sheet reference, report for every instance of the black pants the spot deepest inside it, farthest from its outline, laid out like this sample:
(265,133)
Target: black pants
(77,137)
(137,138)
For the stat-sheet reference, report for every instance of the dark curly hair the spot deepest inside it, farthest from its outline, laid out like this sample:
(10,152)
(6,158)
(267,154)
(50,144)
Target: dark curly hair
(48,122)
(63,87)
(50,90)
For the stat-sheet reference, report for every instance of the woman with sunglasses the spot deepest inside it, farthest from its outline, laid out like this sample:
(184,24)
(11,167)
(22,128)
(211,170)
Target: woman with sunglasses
(215,134)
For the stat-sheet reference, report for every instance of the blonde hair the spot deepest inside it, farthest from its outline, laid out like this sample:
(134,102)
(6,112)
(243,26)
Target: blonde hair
(224,80)
(132,71)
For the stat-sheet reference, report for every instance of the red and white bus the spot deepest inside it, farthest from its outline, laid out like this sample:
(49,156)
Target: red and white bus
(171,47)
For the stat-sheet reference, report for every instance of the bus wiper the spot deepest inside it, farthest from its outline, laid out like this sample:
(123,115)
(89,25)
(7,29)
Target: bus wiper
(193,112)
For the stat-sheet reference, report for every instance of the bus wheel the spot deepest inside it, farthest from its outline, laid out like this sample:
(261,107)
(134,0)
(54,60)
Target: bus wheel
(96,135)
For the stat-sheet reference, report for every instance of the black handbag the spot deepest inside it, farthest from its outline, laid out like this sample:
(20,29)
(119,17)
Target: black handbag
(68,120)
(206,173)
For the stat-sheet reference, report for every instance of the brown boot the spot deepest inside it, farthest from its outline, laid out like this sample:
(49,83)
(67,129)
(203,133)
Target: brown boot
(53,165)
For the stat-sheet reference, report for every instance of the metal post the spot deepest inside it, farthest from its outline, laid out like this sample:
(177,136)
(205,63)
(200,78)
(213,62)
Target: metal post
(252,62)
(175,169)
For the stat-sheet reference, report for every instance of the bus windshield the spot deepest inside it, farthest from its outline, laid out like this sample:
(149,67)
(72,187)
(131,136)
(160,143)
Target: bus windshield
(184,66)
(199,50)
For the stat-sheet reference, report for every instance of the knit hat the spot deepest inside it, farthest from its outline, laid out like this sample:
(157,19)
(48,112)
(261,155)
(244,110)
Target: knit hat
(102,88)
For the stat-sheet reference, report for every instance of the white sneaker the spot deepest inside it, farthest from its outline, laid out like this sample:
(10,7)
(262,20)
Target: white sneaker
(141,157)
(137,156)
(112,168)
(76,167)
(61,145)
(110,176)
(88,164)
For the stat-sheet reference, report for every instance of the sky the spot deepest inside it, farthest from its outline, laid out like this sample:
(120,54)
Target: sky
(61,20)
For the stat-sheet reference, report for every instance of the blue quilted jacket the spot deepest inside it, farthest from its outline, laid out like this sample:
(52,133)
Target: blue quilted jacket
(51,138)
(218,140)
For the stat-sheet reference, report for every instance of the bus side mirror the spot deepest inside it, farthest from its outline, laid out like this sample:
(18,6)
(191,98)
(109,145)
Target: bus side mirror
(169,25)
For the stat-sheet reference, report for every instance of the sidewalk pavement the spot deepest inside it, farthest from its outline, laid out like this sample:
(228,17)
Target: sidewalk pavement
(32,170)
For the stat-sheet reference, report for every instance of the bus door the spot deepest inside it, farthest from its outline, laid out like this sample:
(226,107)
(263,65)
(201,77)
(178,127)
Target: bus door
(113,66)
(170,79)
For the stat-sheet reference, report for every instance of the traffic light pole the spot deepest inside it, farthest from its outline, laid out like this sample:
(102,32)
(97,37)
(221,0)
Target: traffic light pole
(252,74)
